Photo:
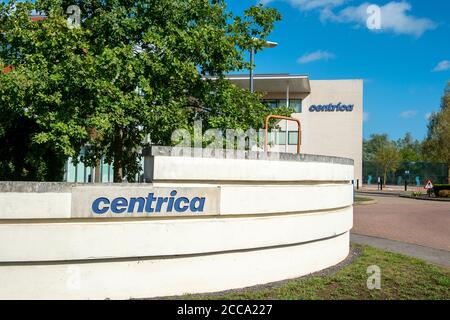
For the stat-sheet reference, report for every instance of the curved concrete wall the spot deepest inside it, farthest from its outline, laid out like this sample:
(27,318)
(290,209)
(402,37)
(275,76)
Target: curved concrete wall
(260,229)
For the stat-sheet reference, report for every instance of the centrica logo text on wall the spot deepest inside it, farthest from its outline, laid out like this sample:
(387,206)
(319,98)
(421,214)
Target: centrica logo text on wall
(331,108)
(122,202)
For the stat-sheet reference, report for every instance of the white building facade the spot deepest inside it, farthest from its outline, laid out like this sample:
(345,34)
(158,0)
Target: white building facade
(330,112)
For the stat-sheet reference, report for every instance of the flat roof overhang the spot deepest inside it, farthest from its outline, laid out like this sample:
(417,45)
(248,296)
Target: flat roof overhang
(274,83)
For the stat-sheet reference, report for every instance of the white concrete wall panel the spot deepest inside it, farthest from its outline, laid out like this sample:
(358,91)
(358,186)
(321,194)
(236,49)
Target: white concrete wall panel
(111,240)
(211,169)
(280,199)
(48,205)
(164,277)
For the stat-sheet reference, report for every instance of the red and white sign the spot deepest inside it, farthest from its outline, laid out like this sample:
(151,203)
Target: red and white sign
(429,185)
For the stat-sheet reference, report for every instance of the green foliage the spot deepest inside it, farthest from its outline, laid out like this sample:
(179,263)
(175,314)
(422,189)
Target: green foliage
(133,69)
(437,144)
(371,146)
(416,194)
(410,149)
(388,158)
(21,160)
(384,152)
(362,199)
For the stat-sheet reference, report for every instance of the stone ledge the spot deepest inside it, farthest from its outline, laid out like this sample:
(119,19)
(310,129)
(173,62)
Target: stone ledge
(248,155)
(55,187)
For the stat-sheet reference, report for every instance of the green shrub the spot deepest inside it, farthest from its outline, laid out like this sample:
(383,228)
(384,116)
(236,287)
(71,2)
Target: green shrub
(444,194)
(416,194)
(440,187)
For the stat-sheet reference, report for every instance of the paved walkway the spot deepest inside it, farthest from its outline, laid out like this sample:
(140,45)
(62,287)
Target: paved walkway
(424,223)
(435,256)
(391,188)
(415,228)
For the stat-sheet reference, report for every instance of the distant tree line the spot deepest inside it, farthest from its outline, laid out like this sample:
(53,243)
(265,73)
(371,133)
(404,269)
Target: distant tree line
(388,154)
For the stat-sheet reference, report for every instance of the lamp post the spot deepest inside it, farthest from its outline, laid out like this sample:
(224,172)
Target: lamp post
(267,44)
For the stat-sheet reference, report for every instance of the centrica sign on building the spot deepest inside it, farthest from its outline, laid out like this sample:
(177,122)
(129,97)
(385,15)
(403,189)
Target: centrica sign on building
(331,108)
(133,202)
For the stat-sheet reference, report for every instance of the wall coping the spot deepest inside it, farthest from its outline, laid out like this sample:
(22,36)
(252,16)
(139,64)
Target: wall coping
(58,187)
(163,151)
(157,151)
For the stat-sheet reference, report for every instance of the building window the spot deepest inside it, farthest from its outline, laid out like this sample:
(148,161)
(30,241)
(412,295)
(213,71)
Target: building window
(280,138)
(282,102)
(295,104)
(271,103)
(293,138)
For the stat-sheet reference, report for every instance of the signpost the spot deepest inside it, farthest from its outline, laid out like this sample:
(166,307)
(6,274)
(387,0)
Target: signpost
(428,187)
(406,179)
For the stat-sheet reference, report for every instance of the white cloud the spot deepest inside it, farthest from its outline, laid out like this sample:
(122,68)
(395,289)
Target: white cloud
(315,56)
(309,4)
(428,115)
(408,114)
(442,66)
(395,15)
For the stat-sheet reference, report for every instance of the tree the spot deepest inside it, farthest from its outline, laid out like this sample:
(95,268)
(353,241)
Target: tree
(410,149)
(131,69)
(371,146)
(380,150)
(437,143)
(388,158)
(22,160)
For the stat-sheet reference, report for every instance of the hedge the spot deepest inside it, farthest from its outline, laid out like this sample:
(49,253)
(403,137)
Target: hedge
(440,187)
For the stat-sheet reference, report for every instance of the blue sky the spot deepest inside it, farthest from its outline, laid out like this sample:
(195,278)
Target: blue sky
(405,64)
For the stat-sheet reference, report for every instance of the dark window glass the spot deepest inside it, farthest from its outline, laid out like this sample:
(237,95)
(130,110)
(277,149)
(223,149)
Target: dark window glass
(271,103)
(282,102)
(296,104)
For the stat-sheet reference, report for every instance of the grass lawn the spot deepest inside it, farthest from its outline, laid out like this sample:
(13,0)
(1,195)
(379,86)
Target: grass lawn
(362,199)
(401,278)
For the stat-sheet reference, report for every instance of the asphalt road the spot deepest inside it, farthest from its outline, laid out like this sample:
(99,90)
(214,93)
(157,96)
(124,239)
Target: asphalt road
(425,223)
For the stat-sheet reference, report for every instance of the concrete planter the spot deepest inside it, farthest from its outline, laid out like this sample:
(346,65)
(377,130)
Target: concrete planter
(264,220)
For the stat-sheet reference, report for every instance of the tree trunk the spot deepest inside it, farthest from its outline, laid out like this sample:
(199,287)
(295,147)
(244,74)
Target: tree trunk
(97,177)
(385,177)
(118,157)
